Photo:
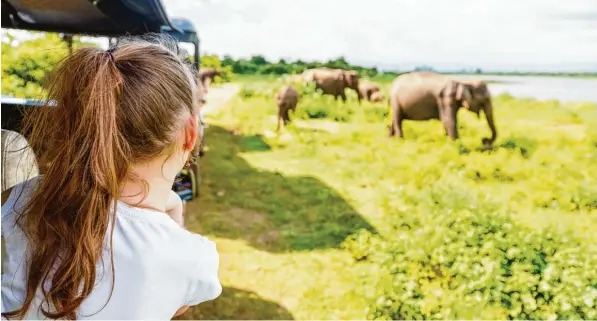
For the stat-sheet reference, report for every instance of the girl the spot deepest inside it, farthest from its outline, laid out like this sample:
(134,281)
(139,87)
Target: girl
(95,236)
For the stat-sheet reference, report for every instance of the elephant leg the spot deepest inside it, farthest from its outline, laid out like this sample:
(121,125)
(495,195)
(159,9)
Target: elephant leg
(397,124)
(397,118)
(286,116)
(343,96)
(280,117)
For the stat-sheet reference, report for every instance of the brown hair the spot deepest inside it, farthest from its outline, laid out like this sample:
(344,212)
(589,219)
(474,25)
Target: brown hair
(112,109)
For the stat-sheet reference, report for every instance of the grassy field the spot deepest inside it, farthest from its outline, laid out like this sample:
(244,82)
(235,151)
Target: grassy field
(279,205)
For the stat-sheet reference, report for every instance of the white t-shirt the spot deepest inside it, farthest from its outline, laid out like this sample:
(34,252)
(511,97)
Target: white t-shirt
(159,266)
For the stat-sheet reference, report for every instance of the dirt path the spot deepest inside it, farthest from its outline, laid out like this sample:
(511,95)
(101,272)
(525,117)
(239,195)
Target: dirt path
(217,96)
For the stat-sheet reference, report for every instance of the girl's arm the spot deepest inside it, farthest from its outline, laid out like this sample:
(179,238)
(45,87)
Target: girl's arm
(174,208)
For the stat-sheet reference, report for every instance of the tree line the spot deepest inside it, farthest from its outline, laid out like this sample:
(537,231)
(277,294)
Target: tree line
(259,65)
(24,64)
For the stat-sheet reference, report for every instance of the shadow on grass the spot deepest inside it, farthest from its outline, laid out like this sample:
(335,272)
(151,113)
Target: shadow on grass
(236,304)
(268,210)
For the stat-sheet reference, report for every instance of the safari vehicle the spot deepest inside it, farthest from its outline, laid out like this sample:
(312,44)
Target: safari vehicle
(96,18)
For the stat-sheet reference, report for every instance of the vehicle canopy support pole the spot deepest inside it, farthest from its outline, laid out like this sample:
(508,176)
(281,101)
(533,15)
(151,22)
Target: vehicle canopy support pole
(197,55)
(69,42)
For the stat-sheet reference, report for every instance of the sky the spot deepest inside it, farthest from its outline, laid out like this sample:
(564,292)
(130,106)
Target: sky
(525,35)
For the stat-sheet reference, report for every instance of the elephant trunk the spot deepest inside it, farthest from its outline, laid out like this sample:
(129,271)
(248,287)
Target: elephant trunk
(488,110)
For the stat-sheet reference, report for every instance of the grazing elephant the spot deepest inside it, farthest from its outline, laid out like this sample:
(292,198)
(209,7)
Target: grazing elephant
(334,81)
(427,95)
(286,98)
(377,96)
(367,89)
(207,76)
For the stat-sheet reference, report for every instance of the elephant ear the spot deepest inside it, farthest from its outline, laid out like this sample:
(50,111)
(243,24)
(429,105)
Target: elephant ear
(351,78)
(463,92)
(481,90)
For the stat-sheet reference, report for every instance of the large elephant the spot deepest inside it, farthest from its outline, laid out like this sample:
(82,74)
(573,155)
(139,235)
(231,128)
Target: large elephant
(207,76)
(286,98)
(427,95)
(334,81)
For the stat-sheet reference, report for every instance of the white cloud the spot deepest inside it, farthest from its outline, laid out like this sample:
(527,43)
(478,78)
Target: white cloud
(490,33)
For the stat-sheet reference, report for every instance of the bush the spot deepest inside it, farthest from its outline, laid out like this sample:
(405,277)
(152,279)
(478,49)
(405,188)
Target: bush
(24,65)
(467,259)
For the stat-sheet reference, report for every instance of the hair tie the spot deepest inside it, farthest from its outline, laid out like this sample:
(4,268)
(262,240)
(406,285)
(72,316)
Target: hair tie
(110,54)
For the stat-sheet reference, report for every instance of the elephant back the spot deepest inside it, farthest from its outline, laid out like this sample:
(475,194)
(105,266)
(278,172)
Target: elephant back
(416,86)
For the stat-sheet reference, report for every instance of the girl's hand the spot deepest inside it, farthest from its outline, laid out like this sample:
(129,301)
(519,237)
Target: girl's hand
(174,208)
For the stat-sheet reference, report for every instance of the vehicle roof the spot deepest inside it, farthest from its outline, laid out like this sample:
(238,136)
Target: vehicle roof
(109,18)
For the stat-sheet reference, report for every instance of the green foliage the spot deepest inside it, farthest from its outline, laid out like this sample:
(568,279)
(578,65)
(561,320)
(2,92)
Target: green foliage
(260,66)
(462,257)
(24,65)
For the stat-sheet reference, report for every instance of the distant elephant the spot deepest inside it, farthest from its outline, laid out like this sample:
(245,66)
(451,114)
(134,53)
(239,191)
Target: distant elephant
(334,81)
(367,89)
(377,96)
(208,75)
(286,98)
(427,95)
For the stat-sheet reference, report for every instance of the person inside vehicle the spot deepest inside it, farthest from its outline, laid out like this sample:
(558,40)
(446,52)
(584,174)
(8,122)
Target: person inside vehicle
(100,232)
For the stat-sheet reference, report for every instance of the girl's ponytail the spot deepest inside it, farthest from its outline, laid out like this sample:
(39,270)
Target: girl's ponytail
(86,159)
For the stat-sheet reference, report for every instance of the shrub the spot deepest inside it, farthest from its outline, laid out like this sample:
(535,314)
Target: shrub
(25,64)
(468,259)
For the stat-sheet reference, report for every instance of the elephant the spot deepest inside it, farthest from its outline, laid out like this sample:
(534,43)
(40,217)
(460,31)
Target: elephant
(207,76)
(427,95)
(367,89)
(286,98)
(377,96)
(334,81)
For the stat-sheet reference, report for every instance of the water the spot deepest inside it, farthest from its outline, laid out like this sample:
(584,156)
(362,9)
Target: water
(543,88)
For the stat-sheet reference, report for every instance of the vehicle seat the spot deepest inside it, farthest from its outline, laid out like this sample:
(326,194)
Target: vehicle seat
(18,162)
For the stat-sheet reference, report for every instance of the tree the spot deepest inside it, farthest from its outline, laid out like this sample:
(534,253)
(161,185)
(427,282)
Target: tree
(25,64)
(258,60)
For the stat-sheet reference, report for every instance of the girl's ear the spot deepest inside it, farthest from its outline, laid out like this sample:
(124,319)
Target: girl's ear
(191,133)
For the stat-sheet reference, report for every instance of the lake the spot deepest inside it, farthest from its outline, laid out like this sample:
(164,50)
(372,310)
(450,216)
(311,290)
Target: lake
(543,88)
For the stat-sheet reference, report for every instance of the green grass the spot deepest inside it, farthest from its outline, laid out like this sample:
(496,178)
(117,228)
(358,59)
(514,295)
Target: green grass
(279,205)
